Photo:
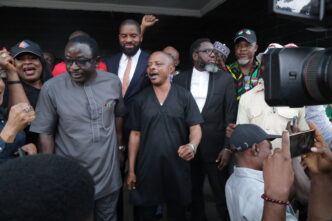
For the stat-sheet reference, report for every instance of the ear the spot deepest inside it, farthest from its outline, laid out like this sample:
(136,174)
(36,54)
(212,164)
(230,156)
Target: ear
(254,149)
(195,56)
(256,47)
(141,37)
(171,69)
(97,59)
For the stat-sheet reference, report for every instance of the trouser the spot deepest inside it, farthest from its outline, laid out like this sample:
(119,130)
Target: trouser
(105,208)
(175,212)
(217,180)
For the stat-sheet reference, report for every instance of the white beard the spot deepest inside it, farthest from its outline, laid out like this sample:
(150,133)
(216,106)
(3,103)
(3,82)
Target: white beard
(243,61)
(211,68)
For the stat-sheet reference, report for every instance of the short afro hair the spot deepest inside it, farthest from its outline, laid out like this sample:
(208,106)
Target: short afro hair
(85,39)
(45,187)
(196,44)
(130,22)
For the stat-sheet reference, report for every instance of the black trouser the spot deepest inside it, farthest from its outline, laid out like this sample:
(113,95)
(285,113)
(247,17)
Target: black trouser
(217,180)
(175,212)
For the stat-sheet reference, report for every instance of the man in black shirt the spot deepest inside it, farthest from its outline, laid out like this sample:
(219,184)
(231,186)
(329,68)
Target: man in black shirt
(165,131)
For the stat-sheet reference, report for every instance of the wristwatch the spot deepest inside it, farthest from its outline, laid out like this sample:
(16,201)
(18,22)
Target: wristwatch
(192,146)
(122,147)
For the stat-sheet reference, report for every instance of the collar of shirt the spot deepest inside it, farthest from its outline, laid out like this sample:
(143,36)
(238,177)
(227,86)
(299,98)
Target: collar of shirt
(199,87)
(259,87)
(200,74)
(250,173)
(123,64)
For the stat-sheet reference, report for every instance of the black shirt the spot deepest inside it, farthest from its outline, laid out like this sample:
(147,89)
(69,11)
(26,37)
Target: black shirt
(161,174)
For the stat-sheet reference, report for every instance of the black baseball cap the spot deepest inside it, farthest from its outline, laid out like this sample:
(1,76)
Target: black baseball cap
(26,46)
(246,135)
(246,34)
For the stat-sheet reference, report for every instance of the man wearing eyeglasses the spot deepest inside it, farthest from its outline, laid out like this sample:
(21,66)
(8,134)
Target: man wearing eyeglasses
(78,116)
(245,69)
(213,91)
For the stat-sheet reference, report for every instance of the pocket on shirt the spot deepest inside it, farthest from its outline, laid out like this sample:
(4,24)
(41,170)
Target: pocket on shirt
(287,112)
(107,114)
(255,113)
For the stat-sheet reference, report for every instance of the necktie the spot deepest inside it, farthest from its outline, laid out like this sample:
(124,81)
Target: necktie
(125,82)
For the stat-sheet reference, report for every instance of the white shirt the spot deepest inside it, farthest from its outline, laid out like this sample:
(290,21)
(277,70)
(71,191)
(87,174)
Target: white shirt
(243,195)
(199,87)
(123,64)
(273,120)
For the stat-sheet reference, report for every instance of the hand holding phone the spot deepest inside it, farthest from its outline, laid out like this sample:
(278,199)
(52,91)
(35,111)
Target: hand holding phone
(301,142)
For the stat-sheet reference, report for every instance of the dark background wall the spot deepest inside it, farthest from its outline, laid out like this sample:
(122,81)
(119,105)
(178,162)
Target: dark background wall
(50,28)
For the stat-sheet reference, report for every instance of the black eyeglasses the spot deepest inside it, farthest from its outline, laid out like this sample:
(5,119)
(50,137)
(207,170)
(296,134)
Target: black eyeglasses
(79,62)
(207,51)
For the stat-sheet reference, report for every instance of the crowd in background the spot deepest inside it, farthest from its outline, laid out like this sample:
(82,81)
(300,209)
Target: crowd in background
(90,127)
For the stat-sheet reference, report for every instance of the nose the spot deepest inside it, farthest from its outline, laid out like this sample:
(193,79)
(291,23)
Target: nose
(128,39)
(213,54)
(74,66)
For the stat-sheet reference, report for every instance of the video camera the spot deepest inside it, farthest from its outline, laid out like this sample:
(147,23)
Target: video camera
(299,76)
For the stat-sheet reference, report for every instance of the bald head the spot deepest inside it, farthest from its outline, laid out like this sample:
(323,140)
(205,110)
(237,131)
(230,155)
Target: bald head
(77,33)
(162,56)
(173,53)
(160,67)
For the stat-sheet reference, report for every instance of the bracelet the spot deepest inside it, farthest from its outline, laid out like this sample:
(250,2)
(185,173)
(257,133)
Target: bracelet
(228,150)
(192,146)
(14,82)
(264,197)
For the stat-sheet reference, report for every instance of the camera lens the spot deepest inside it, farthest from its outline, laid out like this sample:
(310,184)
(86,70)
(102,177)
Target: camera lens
(318,76)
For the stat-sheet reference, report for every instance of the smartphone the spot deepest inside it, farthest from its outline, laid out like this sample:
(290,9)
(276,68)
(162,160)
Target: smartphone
(301,142)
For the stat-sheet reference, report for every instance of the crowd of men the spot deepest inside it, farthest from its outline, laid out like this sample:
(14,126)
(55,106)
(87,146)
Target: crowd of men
(135,120)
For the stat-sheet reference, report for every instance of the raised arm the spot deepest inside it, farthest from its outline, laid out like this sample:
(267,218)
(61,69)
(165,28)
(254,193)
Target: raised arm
(147,21)
(15,87)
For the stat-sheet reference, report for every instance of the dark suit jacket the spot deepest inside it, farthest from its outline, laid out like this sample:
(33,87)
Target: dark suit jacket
(219,110)
(139,80)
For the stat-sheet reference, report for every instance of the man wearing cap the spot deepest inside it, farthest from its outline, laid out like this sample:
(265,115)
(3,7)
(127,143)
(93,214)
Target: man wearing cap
(245,186)
(245,69)
(222,52)
(254,110)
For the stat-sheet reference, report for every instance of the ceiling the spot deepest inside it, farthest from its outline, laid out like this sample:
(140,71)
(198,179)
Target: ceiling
(193,8)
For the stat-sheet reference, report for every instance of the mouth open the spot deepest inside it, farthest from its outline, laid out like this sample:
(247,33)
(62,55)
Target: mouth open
(153,75)
(29,71)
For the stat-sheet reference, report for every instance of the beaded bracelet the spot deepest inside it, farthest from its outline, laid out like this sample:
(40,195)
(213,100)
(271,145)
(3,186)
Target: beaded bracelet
(264,197)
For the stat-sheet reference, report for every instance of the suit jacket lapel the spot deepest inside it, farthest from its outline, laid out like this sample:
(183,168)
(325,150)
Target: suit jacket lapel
(116,61)
(188,80)
(210,91)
